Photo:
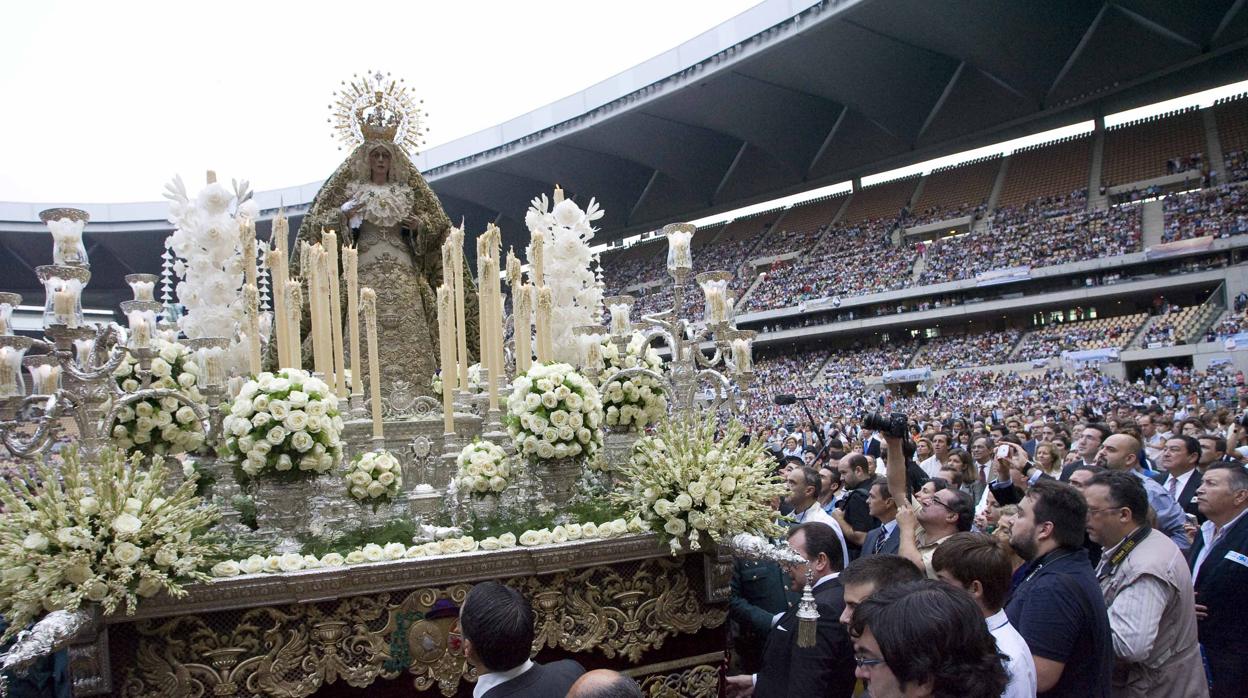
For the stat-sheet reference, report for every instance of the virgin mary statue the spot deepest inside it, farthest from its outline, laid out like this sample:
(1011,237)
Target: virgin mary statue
(379,202)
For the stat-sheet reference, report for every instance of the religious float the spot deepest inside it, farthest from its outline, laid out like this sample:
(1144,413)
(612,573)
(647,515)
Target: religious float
(273,486)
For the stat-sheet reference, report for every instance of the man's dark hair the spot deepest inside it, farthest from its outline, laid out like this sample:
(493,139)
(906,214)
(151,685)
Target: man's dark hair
(964,506)
(1219,443)
(932,632)
(857,461)
(977,556)
(1104,429)
(1094,469)
(880,571)
(1236,472)
(1062,505)
(1190,444)
(810,477)
(1125,490)
(821,539)
(882,484)
(498,621)
(948,438)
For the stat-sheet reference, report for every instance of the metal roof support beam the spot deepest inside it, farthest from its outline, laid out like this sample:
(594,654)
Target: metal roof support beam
(1226,19)
(940,102)
(1155,27)
(20,259)
(827,142)
(1083,43)
(641,197)
(732,168)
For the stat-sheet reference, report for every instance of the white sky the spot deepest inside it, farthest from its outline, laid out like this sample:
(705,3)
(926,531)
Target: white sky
(106,101)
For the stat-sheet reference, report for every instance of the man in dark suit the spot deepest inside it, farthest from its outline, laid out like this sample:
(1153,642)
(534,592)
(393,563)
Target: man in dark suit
(885,538)
(1083,451)
(497,626)
(1219,559)
(1179,476)
(825,670)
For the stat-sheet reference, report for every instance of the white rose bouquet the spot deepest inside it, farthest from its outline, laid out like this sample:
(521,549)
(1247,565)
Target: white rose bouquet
(374,476)
(475,384)
(284,424)
(554,412)
(164,426)
(103,534)
(636,402)
(686,484)
(483,468)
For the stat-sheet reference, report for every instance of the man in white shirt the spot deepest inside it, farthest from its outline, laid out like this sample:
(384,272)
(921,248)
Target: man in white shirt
(805,486)
(940,454)
(980,564)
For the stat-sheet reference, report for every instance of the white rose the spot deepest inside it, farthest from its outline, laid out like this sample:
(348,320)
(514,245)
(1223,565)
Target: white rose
(310,562)
(549,401)
(316,408)
(35,541)
(532,401)
(77,574)
(277,435)
(297,398)
(507,540)
(126,525)
(165,557)
(683,502)
(375,489)
(490,543)
(279,409)
(332,560)
(273,564)
(280,385)
(394,551)
(227,568)
(253,565)
(296,421)
(355,557)
(290,562)
(373,552)
(88,506)
(386,479)
(530,538)
(676,527)
(148,587)
(573,530)
(301,441)
(415,551)
(97,591)
(589,530)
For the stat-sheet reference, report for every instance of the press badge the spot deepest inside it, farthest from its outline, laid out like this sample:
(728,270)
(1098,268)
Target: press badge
(1237,557)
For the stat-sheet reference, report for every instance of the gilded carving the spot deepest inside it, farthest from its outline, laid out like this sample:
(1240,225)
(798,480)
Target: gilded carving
(696,682)
(291,651)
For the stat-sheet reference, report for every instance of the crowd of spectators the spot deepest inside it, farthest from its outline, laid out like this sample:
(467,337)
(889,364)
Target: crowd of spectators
(971,349)
(1076,336)
(849,261)
(931,214)
(1236,165)
(1043,239)
(1217,211)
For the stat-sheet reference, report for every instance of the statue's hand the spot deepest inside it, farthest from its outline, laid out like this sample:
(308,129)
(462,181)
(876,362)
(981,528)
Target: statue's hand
(412,223)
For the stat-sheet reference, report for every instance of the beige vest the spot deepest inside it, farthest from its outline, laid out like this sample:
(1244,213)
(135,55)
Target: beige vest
(1174,667)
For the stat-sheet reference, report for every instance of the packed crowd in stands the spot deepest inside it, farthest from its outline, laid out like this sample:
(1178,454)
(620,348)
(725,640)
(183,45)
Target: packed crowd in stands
(851,261)
(932,214)
(1236,165)
(1077,336)
(971,349)
(1015,240)
(1217,211)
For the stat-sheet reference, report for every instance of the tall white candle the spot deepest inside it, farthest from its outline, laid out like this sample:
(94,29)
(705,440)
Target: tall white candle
(335,312)
(522,312)
(368,306)
(281,326)
(461,327)
(351,268)
(446,327)
(294,332)
(251,303)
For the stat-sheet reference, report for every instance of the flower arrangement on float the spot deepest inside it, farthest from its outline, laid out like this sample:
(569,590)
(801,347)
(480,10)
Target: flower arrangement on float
(106,534)
(482,469)
(636,402)
(687,484)
(374,477)
(162,426)
(284,424)
(553,413)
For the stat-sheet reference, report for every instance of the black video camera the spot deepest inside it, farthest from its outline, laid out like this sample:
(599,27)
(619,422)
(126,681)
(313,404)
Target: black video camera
(895,424)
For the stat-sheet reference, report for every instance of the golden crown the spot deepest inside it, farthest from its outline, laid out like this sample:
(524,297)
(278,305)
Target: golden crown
(377,107)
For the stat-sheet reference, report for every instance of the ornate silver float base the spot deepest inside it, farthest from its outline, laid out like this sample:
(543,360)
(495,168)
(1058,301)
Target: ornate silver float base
(484,506)
(618,447)
(558,478)
(283,511)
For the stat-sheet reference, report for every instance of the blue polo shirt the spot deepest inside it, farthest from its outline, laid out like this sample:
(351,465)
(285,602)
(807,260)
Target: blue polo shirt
(1059,610)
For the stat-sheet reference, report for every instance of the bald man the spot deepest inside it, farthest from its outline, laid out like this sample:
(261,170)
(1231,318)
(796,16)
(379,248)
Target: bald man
(1121,452)
(604,683)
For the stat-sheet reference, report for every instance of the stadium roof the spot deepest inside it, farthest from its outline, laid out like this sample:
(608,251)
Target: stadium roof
(783,98)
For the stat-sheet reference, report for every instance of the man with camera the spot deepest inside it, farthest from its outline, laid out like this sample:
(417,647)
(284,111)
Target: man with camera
(856,479)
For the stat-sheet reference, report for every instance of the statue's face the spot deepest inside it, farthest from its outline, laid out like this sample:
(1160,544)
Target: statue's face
(379,162)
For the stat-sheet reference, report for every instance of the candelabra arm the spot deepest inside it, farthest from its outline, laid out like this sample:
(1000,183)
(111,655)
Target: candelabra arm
(52,407)
(721,383)
(95,372)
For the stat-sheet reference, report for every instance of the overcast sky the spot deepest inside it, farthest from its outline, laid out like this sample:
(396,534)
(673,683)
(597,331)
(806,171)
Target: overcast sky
(106,101)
